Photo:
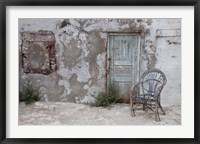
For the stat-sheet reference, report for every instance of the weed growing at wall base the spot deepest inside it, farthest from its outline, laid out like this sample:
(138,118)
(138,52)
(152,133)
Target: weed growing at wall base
(28,95)
(106,98)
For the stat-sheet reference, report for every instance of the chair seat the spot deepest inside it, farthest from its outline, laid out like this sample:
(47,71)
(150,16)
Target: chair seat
(139,98)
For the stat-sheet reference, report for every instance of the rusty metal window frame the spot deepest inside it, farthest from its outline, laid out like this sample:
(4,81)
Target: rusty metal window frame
(51,52)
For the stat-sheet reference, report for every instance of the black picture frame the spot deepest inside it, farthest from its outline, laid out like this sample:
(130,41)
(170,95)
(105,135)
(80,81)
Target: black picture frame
(5,3)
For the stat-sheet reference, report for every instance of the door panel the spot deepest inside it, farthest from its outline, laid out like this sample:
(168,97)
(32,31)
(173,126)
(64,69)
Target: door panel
(124,63)
(123,70)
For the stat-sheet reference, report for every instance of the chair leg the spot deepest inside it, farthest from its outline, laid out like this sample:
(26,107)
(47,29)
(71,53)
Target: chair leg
(156,113)
(161,109)
(143,106)
(132,109)
(156,116)
(133,112)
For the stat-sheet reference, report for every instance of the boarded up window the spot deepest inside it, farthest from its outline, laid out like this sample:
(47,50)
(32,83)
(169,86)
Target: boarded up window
(38,52)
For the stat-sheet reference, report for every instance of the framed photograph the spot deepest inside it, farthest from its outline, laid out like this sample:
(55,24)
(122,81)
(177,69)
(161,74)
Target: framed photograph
(99,71)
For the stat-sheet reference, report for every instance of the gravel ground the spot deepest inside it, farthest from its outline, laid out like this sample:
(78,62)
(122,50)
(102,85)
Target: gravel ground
(60,113)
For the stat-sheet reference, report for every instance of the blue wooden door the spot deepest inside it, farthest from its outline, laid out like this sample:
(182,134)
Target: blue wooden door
(123,62)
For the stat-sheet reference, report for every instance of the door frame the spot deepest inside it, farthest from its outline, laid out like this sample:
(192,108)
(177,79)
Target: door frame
(139,34)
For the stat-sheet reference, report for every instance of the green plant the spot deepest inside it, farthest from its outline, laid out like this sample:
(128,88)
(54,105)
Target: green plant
(113,94)
(106,98)
(28,95)
(101,100)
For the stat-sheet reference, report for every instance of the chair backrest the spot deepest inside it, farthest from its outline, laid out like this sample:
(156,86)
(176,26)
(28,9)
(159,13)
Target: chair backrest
(152,80)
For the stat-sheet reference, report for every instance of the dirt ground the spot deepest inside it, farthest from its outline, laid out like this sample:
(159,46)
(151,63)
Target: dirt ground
(60,113)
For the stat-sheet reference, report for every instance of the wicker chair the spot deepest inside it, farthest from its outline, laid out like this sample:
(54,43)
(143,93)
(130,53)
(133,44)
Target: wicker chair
(147,92)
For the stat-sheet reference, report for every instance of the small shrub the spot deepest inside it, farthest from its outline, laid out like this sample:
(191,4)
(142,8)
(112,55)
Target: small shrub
(113,94)
(105,99)
(101,100)
(28,95)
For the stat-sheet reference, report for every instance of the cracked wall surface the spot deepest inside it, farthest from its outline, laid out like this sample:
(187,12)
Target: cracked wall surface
(79,55)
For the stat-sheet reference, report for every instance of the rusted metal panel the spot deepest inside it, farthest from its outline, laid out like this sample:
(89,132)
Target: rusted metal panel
(38,52)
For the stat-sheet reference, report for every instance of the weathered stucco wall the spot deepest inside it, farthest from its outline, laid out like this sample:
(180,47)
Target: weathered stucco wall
(77,54)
